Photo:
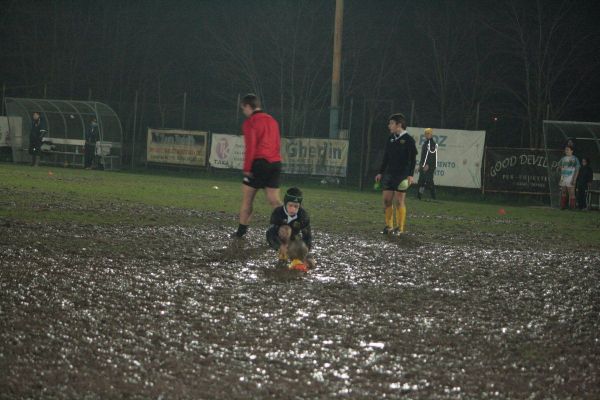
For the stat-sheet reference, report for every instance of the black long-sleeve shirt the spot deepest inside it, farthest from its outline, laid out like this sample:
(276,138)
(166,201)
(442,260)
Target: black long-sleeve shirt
(585,176)
(92,135)
(429,154)
(38,130)
(300,223)
(400,156)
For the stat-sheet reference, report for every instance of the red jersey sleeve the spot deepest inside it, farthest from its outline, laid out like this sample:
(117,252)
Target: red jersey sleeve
(249,143)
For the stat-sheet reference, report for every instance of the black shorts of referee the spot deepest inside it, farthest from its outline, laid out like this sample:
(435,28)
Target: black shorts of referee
(264,174)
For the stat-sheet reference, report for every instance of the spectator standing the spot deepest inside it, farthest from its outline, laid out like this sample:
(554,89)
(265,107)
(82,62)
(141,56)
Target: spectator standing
(38,130)
(584,182)
(427,164)
(92,135)
(569,169)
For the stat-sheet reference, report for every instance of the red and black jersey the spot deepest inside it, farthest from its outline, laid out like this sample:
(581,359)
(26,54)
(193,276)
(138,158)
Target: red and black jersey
(261,138)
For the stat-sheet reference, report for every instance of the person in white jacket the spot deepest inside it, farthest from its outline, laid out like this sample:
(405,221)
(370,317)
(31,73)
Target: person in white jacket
(429,153)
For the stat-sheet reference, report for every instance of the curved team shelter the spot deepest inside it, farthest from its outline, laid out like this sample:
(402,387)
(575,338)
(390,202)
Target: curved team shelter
(66,122)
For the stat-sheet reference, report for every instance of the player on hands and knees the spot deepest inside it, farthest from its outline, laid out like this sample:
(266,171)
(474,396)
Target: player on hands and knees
(288,223)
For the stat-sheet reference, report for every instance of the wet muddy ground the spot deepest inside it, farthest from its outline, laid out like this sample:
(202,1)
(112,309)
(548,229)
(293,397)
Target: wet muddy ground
(93,311)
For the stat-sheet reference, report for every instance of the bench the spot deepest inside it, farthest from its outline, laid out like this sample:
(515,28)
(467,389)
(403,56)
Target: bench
(72,152)
(592,196)
(108,160)
(593,199)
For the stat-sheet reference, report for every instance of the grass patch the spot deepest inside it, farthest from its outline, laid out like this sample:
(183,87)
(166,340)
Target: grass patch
(50,194)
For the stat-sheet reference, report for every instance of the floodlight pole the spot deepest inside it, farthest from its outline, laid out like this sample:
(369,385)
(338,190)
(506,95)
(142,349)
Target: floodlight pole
(335,75)
(3,96)
(184,110)
(237,109)
(135,105)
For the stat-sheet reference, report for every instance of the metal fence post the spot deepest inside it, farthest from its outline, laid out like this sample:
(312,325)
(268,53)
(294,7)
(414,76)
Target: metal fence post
(135,104)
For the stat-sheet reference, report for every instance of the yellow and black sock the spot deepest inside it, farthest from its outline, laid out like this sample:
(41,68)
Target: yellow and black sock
(389,217)
(401,217)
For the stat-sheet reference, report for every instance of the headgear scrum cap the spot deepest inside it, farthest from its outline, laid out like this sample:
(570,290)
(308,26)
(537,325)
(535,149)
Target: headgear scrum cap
(293,194)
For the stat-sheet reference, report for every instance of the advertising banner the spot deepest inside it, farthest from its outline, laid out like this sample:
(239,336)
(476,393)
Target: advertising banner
(226,151)
(174,146)
(10,137)
(519,170)
(307,156)
(460,156)
(4,138)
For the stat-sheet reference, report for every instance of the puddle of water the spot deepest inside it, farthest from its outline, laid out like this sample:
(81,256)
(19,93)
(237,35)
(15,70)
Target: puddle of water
(186,312)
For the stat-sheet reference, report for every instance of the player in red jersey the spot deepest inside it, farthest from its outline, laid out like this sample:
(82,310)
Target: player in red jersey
(262,160)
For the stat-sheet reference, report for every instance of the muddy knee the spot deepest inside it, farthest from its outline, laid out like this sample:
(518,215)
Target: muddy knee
(297,250)
(285,232)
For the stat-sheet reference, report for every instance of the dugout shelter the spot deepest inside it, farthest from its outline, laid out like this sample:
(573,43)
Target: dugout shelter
(66,122)
(585,137)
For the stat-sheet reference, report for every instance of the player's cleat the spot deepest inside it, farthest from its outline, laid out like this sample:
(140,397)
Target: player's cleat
(237,235)
(241,231)
(386,231)
(397,232)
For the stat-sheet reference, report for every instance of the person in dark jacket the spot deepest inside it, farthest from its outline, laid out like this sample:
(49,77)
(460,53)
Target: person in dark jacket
(396,173)
(427,164)
(38,130)
(584,182)
(92,135)
(262,159)
(289,222)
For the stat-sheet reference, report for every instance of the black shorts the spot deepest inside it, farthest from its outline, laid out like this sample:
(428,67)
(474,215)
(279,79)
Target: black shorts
(426,177)
(391,182)
(273,237)
(264,174)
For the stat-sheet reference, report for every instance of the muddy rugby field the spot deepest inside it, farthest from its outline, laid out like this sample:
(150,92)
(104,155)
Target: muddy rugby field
(176,309)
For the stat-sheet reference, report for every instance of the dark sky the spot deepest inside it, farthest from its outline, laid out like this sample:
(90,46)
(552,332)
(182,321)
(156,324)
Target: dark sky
(515,60)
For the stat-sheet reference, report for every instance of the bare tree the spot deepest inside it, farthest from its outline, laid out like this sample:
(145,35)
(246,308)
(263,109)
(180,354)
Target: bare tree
(451,63)
(280,50)
(546,48)
(373,65)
